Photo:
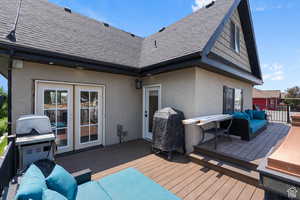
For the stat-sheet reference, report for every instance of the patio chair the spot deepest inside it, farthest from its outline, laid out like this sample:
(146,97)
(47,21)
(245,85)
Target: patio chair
(50,181)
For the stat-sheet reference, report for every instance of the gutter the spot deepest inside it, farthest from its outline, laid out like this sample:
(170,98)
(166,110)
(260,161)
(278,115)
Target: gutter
(191,60)
(47,57)
(9,93)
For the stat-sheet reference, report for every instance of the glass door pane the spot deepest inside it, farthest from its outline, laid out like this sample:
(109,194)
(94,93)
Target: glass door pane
(88,116)
(153,107)
(56,108)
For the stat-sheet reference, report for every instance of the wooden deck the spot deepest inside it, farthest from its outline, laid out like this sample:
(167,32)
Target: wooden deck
(182,177)
(250,151)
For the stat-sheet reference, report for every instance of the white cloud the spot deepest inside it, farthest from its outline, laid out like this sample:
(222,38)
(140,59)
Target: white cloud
(276,72)
(198,4)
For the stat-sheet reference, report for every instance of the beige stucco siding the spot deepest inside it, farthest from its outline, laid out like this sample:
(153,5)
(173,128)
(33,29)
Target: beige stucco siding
(222,46)
(197,92)
(194,91)
(177,89)
(209,91)
(123,100)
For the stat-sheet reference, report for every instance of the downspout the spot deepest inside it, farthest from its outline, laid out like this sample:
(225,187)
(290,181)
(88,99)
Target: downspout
(9,92)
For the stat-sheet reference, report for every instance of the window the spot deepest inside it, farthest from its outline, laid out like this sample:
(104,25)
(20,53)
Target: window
(235,37)
(232,100)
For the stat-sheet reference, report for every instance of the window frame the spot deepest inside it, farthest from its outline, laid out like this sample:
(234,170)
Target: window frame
(235,37)
(232,107)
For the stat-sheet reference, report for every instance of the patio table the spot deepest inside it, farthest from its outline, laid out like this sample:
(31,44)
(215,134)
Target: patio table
(216,131)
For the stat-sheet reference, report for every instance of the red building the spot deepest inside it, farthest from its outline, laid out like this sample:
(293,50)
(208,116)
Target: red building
(266,99)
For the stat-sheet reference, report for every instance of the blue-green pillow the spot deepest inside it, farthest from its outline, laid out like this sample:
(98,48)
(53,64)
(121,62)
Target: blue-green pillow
(52,195)
(32,184)
(259,115)
(62,182)
(240,115)
(250,113)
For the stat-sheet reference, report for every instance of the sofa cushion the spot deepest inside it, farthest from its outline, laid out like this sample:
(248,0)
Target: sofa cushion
(259,115)
(91,191)
(32,184)
(255,125)
(241,115)
(62,182)
(130,184)
(52,195)
(250,113)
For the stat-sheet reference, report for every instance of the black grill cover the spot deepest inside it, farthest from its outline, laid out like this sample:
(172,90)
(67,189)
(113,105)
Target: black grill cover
(168,130)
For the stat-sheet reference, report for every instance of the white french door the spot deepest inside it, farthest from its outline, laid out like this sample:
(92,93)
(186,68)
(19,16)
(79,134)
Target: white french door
(89,116)
(76,113)
(56,102)
(151,103)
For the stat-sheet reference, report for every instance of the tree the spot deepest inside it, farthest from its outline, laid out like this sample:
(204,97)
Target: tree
(3,103)
(293,92)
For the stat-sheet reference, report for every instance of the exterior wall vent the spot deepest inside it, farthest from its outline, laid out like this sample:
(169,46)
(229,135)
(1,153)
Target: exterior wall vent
(161,30)
(68,10)
(210,4)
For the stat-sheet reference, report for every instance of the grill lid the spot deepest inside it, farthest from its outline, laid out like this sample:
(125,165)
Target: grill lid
(33,125)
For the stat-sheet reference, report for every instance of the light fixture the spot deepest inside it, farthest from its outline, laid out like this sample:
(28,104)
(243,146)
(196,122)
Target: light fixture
(138,84)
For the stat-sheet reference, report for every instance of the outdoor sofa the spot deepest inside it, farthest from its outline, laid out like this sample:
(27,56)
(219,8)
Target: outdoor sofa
(248,124)
(46,180)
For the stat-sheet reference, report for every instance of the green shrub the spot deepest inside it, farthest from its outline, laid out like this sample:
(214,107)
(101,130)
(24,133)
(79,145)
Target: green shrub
(4,104)
(3,126)
(3,144)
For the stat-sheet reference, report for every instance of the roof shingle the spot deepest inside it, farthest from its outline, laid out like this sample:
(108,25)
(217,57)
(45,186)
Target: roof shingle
(46,26)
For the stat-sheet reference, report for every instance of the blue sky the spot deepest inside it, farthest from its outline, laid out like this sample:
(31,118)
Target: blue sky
(275,22)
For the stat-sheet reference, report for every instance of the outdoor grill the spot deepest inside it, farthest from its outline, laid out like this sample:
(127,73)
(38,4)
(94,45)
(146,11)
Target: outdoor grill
(34,139)
(168,131)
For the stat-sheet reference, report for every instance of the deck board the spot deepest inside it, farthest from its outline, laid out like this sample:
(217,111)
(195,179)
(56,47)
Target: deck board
(254,150)
(188,180)
(184,178)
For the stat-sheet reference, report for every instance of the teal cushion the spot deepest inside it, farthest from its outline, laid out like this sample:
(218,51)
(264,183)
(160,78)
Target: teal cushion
(62,182)
(91,191)
(259,115)
(250,113)
(130,184)
(32,184)
(52,195)
(241,115)
(255,125)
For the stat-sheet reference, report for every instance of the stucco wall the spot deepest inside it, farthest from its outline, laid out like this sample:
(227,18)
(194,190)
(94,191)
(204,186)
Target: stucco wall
(196,92)
(177,89)
(123,100)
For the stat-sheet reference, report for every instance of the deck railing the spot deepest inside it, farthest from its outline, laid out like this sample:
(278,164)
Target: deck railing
(279,114)
(7,165)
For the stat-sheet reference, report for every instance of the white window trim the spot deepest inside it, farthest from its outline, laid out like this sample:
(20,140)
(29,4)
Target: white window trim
(237,41)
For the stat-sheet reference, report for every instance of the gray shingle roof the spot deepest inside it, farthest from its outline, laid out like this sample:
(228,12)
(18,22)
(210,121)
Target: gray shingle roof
(43,25)
(186,36)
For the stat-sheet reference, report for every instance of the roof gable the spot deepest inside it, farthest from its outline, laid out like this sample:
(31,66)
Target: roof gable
(223,46)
